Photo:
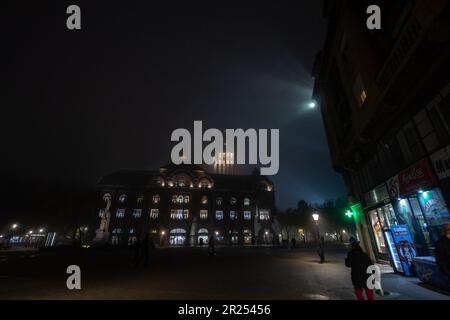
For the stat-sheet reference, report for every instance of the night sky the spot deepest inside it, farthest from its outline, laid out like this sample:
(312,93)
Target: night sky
(81,104)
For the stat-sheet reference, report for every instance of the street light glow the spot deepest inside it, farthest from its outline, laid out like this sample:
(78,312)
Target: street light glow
(312,105)
(14,226)
(41,230)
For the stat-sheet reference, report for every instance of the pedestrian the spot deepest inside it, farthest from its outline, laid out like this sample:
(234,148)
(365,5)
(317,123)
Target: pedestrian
(359,261)
(211,247)
(136,251)
(294,242)
(144,251)
(201,242)
(321,250)
(443,251)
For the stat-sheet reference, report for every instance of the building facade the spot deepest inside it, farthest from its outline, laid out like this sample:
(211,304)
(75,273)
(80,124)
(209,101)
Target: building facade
(185,206)
(385,101)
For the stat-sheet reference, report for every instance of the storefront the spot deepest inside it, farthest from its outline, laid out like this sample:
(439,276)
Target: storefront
(419,204)
(380,217)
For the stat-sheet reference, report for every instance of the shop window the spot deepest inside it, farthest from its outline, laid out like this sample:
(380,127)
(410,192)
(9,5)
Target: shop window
(247,215)
(156,199)
(154,213)
(203,214)
(219,215)
(137,213)
(377,231)
(120,213)
(435,211)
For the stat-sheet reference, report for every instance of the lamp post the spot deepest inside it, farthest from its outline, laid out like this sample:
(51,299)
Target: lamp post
(316,217)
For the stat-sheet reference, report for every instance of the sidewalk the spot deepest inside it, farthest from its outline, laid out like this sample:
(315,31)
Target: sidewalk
(408,288)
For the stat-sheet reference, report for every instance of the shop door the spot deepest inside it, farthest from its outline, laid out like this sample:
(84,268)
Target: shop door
(378,223)
(421,221)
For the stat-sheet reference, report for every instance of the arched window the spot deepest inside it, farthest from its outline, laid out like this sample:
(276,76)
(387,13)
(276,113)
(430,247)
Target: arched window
(140,199)
(107,197)
(246,201)
(132,231)
(219,201)
(180,199)
(203,214)
(204,200)
(122,198)
(219,215)
(233,201)
(247,215)
(233,215)
(154,213)
(202,231)
(186,199)
(177,230)
(156,199)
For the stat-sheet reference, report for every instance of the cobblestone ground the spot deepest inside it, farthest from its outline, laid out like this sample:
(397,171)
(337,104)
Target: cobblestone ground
(189,273)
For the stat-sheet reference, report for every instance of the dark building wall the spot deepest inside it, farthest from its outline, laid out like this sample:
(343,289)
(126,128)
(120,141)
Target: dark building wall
(401,71)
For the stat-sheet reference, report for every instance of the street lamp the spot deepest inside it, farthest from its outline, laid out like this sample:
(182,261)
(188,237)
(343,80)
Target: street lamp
(41,230)
(14,226)
(315,217)
(312,104)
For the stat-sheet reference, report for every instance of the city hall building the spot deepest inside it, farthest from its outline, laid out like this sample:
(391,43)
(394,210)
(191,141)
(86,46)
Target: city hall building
(185,206)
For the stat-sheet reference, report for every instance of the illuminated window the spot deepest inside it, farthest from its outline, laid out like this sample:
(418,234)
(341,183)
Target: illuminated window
(247,215)
(219,215)
(122,198)
(246,201)
(101,213)
(179,214)
(219,201)
(264,214)
(204,200)
(233,201)
(117,231)
(137,213)
(186,199)
(120,213)
(233,215)
(203,214)
(180,199)
(140,200)
(154,213)
(156,199)
(360,91)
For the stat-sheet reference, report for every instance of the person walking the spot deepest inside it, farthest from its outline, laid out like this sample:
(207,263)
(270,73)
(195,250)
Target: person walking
(359,261)
(443,252)
(143,251)
(211,247)
(321,250)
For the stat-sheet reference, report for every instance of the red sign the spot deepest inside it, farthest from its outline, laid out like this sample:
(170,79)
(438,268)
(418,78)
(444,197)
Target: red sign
(419,175)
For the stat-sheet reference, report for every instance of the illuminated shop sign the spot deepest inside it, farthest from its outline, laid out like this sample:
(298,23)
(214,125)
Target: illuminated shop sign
(419,175)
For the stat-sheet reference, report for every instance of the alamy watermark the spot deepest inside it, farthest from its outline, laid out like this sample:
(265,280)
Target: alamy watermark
(258,147)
